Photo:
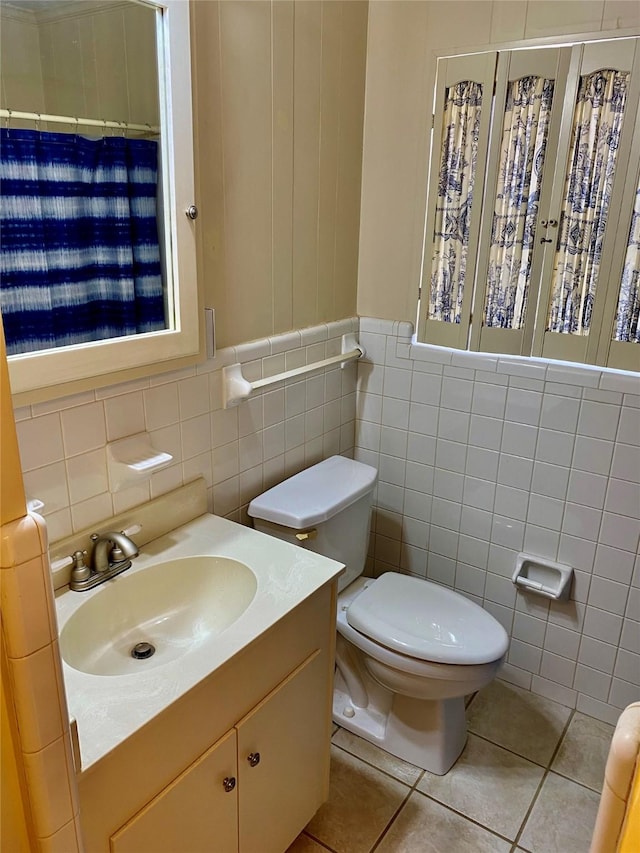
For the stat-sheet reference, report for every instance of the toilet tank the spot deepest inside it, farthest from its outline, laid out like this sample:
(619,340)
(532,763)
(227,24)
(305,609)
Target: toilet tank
(326,508)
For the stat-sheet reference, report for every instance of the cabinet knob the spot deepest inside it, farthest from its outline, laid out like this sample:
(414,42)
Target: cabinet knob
(192,211)
(229,783)
(253,758)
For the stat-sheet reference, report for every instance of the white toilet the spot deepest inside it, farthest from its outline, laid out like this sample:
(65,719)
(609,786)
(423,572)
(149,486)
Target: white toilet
(408,651)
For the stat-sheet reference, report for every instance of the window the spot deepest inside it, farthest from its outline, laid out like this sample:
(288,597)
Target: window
(533,218)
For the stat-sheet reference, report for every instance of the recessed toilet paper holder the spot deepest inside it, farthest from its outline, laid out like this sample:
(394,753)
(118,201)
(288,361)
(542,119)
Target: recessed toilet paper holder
(543,577)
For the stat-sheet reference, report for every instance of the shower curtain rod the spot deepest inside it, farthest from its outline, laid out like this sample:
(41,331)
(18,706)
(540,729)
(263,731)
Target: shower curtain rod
(91,122)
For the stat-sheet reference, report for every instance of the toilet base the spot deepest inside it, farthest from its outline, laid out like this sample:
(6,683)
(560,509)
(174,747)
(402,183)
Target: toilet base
(430,734)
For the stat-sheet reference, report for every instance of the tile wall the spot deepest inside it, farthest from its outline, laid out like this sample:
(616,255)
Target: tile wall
(239,451)
(481,457)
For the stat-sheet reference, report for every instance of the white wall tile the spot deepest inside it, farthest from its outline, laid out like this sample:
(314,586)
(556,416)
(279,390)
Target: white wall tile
(592,454)
(587,489)
(602,625)
(562,641)
(576,552)
(397,383)
(479,493)
(620,531)
(581,521)
(423,419)
(545,512)
(551,480)
(520,440)
(597,655)
(421,448)
(393,442)
(511,502)
(515,471)
(558,669)
(485,432)
(523,406)
(456,394)
(489,399)
(598,420)
(613,563)
(554,446)
(476,522)
(592,682)
(448,484)
(608,595)
(627,667)
(626,463)
(40,441)
(560,413)
(508,532)
(125,415)
(629,426)
(425,388)
(453,425)
(419,477)
(623,497)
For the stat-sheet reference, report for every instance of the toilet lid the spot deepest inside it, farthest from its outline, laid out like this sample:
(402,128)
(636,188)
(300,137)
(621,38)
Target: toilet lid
(427,621)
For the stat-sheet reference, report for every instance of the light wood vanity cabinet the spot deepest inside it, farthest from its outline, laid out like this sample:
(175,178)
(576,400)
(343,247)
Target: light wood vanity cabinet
(253,790)
(148,796)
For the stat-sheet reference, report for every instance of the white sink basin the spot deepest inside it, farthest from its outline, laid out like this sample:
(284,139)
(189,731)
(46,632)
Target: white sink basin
(175,606)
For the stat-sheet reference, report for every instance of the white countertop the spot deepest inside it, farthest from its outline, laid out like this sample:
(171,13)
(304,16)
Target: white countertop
(110,708)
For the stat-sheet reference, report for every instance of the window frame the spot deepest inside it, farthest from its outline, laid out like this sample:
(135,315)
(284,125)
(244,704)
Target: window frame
(590,349)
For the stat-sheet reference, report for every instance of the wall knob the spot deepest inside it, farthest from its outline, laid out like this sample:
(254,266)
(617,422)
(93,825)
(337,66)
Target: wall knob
(192,211)
(229,783)
(253,758)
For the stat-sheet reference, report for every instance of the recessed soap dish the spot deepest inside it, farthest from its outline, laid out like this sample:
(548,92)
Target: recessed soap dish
(133,460)
(543,577)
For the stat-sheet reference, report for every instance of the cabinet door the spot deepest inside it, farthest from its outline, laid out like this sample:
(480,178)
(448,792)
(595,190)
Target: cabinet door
(193,813)
(289,730)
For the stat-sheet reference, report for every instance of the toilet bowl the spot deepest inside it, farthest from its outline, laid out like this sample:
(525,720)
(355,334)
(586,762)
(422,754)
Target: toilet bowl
(408,651)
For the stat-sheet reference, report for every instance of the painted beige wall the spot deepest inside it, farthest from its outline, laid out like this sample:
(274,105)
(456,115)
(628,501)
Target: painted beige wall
(279,95)
(402,39)
(77,60)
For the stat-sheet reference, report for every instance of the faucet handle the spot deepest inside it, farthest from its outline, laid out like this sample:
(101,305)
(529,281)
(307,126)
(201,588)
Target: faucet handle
(80,570)
(132,530)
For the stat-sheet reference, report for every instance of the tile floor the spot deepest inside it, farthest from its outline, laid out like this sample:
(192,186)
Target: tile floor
(529,779)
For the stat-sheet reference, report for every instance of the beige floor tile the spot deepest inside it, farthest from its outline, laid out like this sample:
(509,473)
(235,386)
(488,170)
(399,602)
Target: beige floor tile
(395,767)
(488,784)
(424,826)
(584,749)
(362,801)
(527,724)
(562,818)
(304,844)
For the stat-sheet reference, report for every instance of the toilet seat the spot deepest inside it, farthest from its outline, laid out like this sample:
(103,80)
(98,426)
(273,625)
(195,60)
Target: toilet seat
(426,622)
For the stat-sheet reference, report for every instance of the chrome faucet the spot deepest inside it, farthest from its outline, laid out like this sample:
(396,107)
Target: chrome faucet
(110,549)
(112,554)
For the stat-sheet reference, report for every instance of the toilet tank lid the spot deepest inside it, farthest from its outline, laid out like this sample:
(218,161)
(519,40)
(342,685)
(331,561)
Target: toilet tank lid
(316,494)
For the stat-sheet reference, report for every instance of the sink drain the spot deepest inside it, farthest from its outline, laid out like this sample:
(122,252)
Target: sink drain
(142,651)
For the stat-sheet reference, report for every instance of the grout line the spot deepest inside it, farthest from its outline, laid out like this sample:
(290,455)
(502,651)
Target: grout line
(545,775)
(318,841)
(391,821)
(466,817)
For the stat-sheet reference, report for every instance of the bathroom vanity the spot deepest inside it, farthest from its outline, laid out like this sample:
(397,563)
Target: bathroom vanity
(226,746)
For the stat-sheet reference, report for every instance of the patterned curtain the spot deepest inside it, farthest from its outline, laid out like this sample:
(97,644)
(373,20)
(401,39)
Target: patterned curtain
(79,253)
(626,327)
(596,134)
(524,141)
(459,146)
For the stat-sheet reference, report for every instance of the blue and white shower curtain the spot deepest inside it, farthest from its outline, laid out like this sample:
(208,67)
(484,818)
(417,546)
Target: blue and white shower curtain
(79,251)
